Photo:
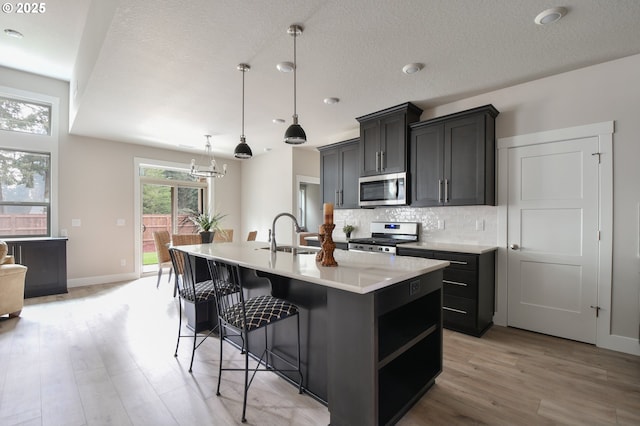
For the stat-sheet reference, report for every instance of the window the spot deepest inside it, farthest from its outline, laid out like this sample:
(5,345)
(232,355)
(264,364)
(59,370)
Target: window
(25,186)
(26,117)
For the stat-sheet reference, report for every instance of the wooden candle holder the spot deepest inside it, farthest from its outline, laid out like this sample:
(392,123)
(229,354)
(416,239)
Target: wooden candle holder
(328,246)
(320,254)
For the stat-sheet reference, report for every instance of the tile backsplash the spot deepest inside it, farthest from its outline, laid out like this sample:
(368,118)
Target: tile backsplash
(469,224)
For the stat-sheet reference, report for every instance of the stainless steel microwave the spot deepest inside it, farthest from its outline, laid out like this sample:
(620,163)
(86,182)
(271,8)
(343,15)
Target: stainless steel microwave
(383,190)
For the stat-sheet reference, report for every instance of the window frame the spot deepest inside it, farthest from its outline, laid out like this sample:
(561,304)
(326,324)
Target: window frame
(38,143)
(30,102)
(45,204)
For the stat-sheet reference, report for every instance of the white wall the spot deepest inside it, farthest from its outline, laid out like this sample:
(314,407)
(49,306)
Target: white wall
(227,197)
(267,190)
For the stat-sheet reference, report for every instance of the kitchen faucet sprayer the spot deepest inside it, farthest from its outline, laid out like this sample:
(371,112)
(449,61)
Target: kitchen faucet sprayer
(273,247)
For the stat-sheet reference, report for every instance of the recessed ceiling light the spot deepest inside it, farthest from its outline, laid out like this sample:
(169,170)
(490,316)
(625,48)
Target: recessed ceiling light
(550,16)
(412,68)
(331,101)
(285,66)
(13,33)
(278,121)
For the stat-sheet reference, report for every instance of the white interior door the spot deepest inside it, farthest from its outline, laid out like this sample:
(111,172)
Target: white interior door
(552,265)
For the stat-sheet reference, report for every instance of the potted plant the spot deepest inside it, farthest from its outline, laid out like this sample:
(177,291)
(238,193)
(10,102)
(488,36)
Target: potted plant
(207,224)
(348,229)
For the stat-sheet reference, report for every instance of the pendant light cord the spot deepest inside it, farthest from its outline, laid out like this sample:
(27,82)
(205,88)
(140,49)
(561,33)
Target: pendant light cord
(243,73)
(295,69)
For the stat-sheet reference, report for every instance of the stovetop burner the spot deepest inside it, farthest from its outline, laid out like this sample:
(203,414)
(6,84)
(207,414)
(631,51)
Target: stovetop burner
(378,241)
(385,236)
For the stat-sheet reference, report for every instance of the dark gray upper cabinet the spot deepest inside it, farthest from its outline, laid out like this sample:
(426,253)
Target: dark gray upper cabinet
(453,159)
(339,173)
(383,139)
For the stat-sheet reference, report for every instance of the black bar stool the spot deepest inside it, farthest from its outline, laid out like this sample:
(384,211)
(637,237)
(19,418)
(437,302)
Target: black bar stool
(190,291)
(239,317)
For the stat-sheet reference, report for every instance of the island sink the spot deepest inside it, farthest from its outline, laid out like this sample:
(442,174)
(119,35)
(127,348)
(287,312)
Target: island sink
(294,250)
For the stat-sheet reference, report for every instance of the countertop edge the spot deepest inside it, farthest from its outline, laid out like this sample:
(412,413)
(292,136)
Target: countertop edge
(450,247)
(430,265)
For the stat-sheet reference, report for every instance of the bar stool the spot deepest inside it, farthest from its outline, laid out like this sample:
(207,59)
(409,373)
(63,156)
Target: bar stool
(190,291)
(241,317)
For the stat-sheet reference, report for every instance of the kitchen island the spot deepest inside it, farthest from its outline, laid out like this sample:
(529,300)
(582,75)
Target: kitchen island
(371,328)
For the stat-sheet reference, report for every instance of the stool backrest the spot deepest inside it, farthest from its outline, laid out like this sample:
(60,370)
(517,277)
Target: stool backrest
(229,293)
(184,268)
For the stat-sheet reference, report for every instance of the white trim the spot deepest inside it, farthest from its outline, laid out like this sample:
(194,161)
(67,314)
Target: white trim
(137,202)
(577,132)
(604,131)
(101,279)
(302,179)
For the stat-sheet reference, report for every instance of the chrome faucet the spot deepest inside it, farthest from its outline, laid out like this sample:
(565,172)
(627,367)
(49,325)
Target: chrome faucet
(274,246)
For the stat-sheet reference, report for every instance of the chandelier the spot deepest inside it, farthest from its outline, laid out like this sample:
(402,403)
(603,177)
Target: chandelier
(211,170)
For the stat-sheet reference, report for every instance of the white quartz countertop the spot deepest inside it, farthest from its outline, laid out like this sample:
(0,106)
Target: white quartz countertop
(452,247)
(356,272)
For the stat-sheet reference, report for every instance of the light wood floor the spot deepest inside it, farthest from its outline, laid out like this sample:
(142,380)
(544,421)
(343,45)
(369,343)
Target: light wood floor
(103,355)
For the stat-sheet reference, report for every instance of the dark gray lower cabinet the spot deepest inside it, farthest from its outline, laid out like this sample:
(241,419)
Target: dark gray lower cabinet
(468,287)
(46,259)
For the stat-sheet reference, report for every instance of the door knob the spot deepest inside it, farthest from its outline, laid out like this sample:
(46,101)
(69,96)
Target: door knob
(514,247)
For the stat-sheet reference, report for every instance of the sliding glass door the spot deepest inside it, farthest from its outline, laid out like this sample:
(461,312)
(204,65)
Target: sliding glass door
(168,197)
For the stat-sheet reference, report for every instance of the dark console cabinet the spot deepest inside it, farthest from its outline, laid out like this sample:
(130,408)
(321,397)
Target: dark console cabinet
(453,159)
(46,259)
(468,288)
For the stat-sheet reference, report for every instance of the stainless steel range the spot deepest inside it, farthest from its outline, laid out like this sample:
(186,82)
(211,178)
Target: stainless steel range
(385,236)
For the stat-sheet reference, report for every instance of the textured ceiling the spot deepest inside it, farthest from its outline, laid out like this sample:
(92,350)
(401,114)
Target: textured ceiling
(164,73)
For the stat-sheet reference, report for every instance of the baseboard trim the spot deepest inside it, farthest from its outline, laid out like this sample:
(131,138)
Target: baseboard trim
(102,279)
(617,343)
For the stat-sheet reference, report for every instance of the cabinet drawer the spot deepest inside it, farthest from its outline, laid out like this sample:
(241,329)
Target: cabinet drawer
(457,282)
(458,311)
(458,261)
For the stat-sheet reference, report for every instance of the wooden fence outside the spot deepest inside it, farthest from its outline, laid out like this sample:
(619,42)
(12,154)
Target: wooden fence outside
(23,224)
(162,222)
(36,224)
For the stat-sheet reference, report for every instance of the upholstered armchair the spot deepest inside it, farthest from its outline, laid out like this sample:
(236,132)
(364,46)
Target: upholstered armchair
(11,284)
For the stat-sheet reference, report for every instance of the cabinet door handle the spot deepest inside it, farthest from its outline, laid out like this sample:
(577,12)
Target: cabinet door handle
(458,262)
(455,283)
(446,190)
(439,190)
(382,161)
(20,254)
(377,161)
(341,197)
(335,197)
(459,311)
